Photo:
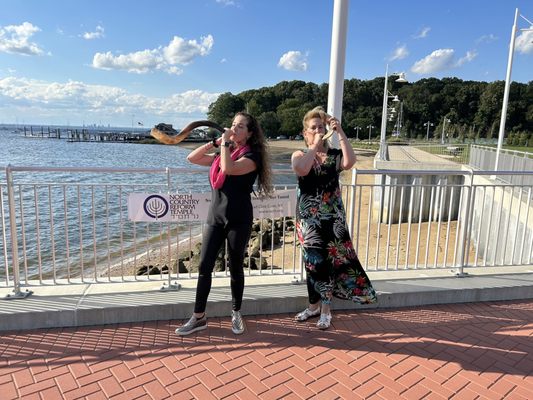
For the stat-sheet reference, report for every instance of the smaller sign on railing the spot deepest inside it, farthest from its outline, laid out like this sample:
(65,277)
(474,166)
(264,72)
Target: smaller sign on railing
(179,207)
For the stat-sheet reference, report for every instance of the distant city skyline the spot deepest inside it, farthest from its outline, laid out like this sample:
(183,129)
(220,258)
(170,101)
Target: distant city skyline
(114,64)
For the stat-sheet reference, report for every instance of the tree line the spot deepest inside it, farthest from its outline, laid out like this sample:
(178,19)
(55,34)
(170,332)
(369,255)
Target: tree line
(461,110)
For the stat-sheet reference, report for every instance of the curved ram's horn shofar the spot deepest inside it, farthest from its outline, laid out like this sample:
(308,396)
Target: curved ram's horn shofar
(175,139)
(325,117)
(328,134)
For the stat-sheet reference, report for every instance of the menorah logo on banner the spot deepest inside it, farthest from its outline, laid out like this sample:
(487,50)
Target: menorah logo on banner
(155,206)
(151,207)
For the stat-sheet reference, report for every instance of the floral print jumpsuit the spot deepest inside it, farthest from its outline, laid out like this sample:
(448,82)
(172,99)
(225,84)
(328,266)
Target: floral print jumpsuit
(333,268)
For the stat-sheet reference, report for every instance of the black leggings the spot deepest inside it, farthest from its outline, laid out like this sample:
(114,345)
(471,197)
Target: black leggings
(237,237)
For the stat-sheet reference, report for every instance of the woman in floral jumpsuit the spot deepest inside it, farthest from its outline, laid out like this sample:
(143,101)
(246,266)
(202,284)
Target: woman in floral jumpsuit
(332,266)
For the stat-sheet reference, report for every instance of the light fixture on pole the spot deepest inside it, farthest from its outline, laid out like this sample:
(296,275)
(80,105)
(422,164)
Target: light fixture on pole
(443,125)
(399,121)
(357,129)
(370,127)
(386,96)
(501,132)
(428,124)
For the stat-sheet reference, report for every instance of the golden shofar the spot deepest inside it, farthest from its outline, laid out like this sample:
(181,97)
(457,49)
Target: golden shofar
(166,138)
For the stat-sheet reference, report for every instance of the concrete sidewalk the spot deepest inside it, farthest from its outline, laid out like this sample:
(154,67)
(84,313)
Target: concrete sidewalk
(112,303)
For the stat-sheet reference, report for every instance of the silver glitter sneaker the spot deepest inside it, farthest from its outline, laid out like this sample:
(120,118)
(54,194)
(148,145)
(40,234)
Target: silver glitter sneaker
(324,322)
(237,323)
(192,325)
(306,314)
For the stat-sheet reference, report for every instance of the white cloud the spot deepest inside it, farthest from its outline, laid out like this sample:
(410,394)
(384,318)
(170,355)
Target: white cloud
(524,42)
(423,33)
(15,39)
(293,61)
(139,62)
(174,70)
(487,38)
(226,2)
(178,52)
(399,53)
(97,34)
(470,55)
(441,60)
(77,98)
(181,51)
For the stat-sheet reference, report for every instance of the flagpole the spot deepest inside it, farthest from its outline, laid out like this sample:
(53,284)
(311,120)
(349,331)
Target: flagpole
(336,63)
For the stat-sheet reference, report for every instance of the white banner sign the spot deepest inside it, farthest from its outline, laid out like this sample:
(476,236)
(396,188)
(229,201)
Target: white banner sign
(150,207)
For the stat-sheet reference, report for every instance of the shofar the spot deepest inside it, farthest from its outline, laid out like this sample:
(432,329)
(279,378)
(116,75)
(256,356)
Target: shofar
(165,134)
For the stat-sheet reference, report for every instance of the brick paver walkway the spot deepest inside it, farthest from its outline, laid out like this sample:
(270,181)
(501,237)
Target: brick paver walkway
(463,351)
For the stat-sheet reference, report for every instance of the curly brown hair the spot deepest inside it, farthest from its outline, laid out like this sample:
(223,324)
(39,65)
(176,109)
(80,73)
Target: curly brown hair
(258,144)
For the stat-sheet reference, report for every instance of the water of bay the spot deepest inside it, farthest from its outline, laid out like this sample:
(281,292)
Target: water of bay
(43,242)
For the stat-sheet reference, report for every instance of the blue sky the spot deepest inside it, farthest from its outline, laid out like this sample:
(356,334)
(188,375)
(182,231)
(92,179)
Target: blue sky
(123,62)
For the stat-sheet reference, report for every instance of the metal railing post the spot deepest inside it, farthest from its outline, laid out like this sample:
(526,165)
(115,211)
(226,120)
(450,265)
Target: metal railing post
(17,293)
(170,287)
(464,234)
(352,202)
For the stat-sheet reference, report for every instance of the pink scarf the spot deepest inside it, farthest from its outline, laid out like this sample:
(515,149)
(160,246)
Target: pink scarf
(215,175)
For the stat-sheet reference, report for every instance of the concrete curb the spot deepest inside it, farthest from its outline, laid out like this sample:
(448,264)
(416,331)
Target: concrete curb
(86,308)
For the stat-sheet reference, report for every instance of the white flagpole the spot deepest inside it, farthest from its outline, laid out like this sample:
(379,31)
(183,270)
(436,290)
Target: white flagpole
(336,63)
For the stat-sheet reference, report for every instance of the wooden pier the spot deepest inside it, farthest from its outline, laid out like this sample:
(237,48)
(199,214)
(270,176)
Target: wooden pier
(85,134)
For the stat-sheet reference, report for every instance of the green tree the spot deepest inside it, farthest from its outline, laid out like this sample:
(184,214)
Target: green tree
(489,110)
(224,108)
(290,114)
(269,121)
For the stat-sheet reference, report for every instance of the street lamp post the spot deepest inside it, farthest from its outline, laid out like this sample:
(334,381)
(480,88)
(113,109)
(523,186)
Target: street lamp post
(443,125)
(370,131)
(428,124)
(501,132)
(386,96)
(357,129)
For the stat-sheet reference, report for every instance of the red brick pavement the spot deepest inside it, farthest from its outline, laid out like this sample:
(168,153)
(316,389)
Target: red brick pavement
(463,351)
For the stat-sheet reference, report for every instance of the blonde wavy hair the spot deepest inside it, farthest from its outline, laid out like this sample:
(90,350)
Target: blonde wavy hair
(317,112)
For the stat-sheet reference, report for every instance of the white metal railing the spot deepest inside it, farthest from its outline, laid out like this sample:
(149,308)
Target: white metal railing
(484,157)
(69,225)
(430,220)
(458,153)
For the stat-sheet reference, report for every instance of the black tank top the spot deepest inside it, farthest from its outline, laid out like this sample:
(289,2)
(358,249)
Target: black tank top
(232,202)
